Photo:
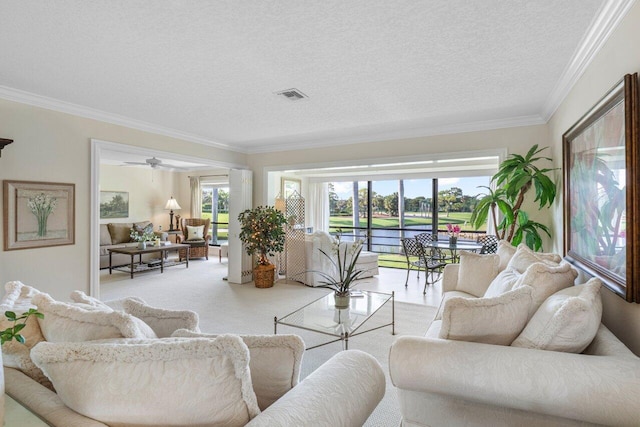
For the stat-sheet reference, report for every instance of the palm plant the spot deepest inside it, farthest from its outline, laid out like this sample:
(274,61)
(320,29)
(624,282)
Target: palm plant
(515,177)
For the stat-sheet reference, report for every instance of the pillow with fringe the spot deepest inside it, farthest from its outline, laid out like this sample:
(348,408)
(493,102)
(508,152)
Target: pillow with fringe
(163,321)
(524,257)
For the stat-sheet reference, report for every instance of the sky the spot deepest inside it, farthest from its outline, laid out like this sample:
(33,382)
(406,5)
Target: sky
(417,187)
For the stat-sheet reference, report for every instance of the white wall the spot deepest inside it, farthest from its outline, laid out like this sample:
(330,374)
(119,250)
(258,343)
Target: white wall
(619,56)
(55,147)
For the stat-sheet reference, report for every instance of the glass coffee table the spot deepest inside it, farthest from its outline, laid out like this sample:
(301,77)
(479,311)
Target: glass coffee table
(323,317)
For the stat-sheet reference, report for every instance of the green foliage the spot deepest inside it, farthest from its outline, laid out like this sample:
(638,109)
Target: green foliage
(515,177)
(13,332)
(262,232)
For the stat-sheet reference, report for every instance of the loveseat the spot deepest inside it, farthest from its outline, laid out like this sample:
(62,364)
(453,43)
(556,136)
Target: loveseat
(552,364)
(118,235)
(89,363)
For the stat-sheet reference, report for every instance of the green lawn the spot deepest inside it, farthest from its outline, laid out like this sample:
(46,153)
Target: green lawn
(222,217)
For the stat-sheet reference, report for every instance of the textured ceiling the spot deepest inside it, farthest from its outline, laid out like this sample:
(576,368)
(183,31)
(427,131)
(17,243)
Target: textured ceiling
(209,70)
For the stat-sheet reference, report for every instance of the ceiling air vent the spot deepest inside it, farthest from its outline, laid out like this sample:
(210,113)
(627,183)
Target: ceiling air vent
(292,94)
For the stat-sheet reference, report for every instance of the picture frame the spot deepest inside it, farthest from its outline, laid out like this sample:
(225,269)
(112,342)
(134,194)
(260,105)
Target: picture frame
(38,214)
(600,158)
(114,204)
(289,186)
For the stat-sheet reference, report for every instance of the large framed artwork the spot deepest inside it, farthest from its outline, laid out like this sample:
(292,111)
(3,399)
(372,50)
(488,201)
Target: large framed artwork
(114,204)
(38,214)
(600,156)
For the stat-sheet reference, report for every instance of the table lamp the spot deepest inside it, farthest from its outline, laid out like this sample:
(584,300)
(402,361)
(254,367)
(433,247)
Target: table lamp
(171,205)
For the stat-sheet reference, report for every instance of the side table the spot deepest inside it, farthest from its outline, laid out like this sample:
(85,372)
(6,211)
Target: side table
(173,233)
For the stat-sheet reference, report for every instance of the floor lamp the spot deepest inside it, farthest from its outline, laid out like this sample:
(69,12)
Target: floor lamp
(171,205)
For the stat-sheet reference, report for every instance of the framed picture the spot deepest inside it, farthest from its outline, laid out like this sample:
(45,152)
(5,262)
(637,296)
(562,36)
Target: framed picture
(600,156)
(114,204)
(289,186)
(38,214)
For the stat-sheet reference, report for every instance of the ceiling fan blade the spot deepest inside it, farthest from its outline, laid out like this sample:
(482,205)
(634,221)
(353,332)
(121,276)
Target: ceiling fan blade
(137,163)
(168,166)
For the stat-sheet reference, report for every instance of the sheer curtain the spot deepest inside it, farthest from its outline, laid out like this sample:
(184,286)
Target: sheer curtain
(319,206)
(196,197)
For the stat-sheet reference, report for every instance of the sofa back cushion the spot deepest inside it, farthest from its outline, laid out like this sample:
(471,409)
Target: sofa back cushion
(166,381)
(524,257)
(120,232)
(506,251)
(105,236)
(476,272)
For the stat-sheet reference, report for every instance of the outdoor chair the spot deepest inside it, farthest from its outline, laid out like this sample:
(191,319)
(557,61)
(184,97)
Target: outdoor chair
(426,240)
(432,267)
(489,244)
(199,244)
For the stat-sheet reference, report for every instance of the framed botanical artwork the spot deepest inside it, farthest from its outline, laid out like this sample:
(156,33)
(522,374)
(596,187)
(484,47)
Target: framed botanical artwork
(114,204)
(289,186)
(600,156)
(38,214)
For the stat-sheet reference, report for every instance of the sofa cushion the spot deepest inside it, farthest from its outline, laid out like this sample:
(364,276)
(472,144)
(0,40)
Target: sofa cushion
(447,296)
(504,282)
(163,321)
(105,236)
(65,322)
(274,363)
(476,272)
(546,279)
(567,321)
(524,257)
(506,251)
(120,232)
(18,299)
(195,232)
(496,320)
(167,381)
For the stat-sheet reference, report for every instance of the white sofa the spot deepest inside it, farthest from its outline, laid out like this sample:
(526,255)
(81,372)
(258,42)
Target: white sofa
(316,261)
(444,382)
(342,392)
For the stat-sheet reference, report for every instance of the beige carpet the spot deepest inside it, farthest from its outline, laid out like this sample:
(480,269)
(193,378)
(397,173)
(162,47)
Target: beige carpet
(229,308)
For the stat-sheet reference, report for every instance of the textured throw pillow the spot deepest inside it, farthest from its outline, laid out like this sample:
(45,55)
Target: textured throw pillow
(504,282)
(195,233)
(163,322)
(141,230)
(506,251)
(82,298)
(567,321)
(546,279)
(476,272)
(274,363)
(120,232)
(496,320)
(167,381)
(524,257)
(81,322)
(16,355)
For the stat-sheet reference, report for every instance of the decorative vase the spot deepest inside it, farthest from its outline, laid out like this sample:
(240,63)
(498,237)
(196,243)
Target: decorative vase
(453,240)
(263,275)
(142,245)
(342,301)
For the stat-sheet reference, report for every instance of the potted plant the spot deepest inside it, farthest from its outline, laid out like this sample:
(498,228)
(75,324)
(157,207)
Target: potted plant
(343,257)
(515,177)
(262,232)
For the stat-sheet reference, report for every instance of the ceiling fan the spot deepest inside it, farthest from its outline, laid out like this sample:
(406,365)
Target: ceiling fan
(155,163)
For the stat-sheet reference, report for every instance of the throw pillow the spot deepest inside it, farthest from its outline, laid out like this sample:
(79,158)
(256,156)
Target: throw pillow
(81,322)
(195,232)
(524,257)
(496,320)
(476,272)
(16,355)
(82,298)
(567,321)
(120,232)
(167,381)
(274,363)
(506,251)
(142,230)
(546,279)
(163,322)
(504,282)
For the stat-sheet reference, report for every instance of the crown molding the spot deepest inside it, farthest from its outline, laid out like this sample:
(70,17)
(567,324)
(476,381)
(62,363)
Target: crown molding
(606,21)
(29,98)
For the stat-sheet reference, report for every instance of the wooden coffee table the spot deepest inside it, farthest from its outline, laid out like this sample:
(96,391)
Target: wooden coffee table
(139,267)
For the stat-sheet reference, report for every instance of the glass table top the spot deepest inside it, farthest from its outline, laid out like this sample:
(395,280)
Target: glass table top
(322,316)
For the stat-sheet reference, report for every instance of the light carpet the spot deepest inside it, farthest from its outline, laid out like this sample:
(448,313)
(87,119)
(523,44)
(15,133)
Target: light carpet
(245,309)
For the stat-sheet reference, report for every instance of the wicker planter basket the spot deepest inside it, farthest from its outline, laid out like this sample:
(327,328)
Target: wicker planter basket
(263,276)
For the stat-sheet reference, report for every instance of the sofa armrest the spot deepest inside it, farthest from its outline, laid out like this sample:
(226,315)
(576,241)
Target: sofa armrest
(44,402)
(164,236)
(450,277)
(342,392)
(595,389)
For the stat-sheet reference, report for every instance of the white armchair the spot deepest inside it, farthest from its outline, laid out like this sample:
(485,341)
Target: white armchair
(316,261)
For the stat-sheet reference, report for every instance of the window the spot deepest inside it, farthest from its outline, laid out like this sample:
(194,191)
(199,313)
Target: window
(215,205)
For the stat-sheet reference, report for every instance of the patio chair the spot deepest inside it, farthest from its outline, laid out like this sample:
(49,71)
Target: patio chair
(426,240)
(489,244)
(431,266)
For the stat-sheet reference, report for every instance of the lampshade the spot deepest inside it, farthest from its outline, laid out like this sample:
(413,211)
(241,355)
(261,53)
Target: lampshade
(172,204)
